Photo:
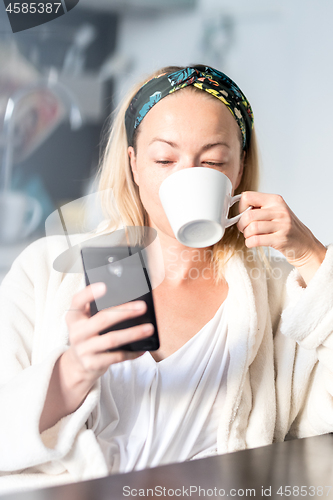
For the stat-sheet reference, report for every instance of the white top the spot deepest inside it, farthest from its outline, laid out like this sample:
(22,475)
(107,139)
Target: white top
(152,413)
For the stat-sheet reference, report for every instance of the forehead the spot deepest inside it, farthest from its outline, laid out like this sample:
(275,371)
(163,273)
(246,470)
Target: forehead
(189,111)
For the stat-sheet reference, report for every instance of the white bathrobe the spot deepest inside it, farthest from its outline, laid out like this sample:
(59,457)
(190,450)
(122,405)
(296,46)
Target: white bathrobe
(279,381)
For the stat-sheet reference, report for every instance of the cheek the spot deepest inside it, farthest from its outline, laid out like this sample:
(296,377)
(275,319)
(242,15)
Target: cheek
(149,185)
(233,173)
(150,182)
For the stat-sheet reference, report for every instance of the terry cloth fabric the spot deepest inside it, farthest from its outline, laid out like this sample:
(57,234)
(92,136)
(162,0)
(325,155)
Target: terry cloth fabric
(279,377)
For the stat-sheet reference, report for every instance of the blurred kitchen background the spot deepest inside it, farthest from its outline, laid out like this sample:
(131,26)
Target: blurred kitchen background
(60,81)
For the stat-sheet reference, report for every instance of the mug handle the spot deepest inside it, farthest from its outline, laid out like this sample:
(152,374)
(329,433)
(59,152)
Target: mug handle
(36,216)
(235,219)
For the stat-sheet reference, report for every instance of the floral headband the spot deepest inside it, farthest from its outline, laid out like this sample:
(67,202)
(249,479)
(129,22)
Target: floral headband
(205,78)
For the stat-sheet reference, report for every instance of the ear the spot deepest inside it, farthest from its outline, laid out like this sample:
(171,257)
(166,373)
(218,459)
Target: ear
(132,160)
(241,170)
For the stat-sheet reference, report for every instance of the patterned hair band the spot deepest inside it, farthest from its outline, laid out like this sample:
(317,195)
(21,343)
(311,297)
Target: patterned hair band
(204,78)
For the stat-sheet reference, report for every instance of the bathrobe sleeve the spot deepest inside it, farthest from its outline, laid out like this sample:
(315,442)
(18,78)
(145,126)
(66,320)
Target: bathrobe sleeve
(24,294)
(304,353)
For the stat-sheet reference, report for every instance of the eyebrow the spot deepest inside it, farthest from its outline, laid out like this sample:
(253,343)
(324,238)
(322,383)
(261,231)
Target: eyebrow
(174,145)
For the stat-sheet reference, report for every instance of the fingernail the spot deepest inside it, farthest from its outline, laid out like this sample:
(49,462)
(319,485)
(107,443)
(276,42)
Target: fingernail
(148,328)
(99,287)
(139,305)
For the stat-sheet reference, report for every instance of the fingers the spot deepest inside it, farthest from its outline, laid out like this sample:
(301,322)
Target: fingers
(268,225)
(115,339)
(79,306)
(259,228)
(88,350)
(259,200)
(255,215)
(83,330)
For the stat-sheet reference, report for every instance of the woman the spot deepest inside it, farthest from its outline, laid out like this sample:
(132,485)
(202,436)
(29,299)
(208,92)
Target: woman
(246,349)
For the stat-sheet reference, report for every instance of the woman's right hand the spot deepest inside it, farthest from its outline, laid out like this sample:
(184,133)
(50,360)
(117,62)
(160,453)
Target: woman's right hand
(88,349)
(77,369)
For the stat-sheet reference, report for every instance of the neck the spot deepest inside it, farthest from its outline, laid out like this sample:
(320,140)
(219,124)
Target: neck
(185,266)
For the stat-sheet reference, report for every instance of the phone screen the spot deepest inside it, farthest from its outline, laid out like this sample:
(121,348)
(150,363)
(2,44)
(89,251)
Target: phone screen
(123,271)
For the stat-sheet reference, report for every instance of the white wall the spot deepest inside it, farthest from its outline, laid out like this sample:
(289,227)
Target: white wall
(281,57)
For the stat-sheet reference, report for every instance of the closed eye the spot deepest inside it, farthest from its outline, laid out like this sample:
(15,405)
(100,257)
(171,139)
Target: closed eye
(210,163)
(213,163)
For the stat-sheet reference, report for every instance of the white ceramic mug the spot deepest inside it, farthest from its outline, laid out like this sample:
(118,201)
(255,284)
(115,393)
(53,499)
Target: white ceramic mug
(196,201)
(19,216)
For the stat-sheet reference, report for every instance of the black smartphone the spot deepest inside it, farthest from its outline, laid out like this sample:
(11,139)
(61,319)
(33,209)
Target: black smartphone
(123,270)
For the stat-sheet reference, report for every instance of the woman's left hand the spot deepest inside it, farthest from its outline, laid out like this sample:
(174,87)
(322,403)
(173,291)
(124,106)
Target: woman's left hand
(271,223)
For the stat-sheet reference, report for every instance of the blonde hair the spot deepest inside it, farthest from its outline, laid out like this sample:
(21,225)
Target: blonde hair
(126,209)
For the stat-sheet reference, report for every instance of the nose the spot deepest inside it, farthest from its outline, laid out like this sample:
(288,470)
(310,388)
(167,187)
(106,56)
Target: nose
(189,162)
